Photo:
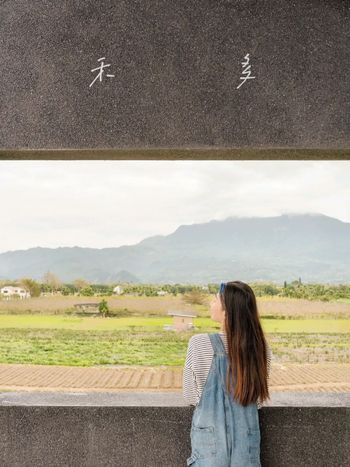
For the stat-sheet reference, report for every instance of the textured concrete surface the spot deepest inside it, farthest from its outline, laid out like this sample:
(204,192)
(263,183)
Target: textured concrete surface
(154,436)
(176,69)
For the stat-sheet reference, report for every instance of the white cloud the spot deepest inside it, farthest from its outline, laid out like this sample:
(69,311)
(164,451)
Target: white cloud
(111,203)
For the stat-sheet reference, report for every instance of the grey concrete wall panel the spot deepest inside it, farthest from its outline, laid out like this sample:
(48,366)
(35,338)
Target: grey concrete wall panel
(175,71)
(82,436)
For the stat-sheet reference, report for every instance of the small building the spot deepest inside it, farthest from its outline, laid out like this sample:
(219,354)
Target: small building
(118,290)
(161,292)
(91,308)
(10,291)
(182,321)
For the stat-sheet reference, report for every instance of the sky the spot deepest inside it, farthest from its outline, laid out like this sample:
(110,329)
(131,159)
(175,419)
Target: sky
(106,203)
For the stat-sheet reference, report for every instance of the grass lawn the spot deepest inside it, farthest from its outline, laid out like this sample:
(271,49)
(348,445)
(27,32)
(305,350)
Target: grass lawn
(156,324)
(88,341)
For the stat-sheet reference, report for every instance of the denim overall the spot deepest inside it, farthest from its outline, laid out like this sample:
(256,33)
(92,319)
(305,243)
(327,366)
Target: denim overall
(223,432)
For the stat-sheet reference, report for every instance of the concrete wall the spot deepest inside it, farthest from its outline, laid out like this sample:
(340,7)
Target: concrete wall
(83,436)
(177,66)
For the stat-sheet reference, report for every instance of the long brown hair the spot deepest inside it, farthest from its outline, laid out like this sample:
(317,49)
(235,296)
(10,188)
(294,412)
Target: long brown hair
(247,348)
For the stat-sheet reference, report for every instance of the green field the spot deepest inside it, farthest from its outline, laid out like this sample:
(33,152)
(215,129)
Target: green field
(87,341)
(156,324)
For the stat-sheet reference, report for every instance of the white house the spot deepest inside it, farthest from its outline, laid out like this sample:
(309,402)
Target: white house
(8,291)
(118,290)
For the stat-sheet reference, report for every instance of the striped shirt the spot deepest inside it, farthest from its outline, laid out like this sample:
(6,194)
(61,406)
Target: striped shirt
(197,365)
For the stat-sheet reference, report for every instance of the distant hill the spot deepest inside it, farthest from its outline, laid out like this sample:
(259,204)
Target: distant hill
(314,247)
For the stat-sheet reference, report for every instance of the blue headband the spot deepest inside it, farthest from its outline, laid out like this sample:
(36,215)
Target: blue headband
(222,287)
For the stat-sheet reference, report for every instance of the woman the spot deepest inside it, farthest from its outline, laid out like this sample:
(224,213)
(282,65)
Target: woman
(226,378)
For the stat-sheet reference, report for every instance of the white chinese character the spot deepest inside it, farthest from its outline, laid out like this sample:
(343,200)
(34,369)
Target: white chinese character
(246,71)
(101,68)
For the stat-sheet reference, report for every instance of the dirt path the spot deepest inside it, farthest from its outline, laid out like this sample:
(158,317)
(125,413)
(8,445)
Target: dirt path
(325,377)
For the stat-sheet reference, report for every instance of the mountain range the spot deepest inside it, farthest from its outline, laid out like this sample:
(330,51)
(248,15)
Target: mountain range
(313,247)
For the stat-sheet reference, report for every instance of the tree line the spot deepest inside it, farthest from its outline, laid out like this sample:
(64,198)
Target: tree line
(193,293)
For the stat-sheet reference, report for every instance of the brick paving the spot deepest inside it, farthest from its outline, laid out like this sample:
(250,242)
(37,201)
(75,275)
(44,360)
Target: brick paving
(325,377)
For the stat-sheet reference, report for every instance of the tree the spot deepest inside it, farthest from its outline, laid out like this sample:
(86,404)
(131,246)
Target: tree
(270,289)
(103,308)
(31,285)
(80,284)
(52,281)
(87,292)
(65,291)
(195,297)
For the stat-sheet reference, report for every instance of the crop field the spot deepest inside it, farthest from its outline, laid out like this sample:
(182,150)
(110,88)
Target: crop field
(159,306)
(45,331)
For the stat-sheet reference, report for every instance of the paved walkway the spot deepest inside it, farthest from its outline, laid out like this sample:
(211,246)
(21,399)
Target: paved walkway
(325,377)
(160,399)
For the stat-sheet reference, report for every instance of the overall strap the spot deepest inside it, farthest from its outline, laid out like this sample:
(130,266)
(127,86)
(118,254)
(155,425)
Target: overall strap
(217,344)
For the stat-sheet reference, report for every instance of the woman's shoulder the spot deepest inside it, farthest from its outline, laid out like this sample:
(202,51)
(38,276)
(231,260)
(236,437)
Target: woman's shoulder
(199,339)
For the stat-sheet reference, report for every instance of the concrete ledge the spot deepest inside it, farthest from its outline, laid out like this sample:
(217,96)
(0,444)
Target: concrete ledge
(161,398)
(178,154)
(144,435)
